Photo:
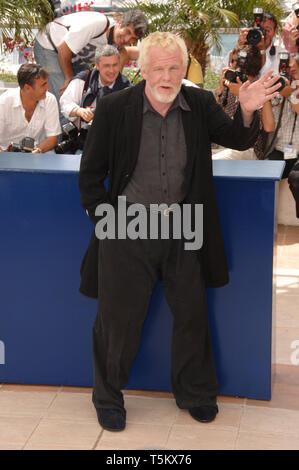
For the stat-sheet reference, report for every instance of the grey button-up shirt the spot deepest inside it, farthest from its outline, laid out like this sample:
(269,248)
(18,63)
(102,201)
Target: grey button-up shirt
(159,173)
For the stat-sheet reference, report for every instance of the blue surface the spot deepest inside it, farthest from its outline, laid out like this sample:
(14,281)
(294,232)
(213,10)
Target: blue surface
(53,163)
(256,170)
(45,324)
(45,163)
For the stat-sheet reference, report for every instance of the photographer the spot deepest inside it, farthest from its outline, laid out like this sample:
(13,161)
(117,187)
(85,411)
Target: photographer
(82,94)
(29,111)
(291,30)
(281,117)
(268,29)
(67,45)
(245,64)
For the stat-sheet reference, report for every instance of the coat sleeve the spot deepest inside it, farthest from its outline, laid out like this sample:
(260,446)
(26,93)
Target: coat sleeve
(95,162)
(228,132)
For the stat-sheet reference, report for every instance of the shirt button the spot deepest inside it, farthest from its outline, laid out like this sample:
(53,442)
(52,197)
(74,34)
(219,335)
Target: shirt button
(162,155)
(163,173)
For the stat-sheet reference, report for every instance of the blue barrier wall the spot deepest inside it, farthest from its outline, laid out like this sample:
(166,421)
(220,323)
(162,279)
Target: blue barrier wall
(45,323)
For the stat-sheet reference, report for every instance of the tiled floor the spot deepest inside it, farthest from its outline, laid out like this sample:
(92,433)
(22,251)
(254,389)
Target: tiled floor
(40,417)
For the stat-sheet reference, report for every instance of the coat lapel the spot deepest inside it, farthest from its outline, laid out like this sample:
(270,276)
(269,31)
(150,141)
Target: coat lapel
(133,124)
(191,130)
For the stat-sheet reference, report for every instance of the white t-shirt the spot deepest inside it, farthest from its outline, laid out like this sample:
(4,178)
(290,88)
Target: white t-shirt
(272,61)
(14,125)
(79,31)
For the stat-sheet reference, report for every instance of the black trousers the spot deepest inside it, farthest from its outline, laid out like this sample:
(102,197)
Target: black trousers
(291,171)
(128,272)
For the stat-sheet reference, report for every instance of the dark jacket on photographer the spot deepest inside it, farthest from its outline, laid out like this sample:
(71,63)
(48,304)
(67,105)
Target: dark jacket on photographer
(92,91)
(84,92)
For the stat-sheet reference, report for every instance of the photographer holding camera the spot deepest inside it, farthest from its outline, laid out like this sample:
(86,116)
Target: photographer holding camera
(291,30)
(280,116)
(79,100)
(29,114)
(262,36)
(245,64)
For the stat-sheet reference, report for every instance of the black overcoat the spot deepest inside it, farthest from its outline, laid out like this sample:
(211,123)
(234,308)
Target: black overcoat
(112,148)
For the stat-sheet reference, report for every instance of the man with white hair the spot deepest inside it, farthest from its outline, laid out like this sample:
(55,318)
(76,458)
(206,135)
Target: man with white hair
(154,140)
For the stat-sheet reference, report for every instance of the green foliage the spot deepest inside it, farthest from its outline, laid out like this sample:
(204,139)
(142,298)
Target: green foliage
(19,17)
(8,77)
(244,9)
(133,74)
(196,20)
(199,21)
(211,80)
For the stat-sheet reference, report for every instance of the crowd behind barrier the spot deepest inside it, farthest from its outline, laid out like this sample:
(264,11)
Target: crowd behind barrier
(72,44)
(255,53)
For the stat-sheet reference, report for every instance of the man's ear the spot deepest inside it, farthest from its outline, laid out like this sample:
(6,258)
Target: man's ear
(143,72)
(27,87)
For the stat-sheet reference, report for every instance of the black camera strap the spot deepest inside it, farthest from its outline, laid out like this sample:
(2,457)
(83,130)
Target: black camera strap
(225,98)
(293,130)
(85,88)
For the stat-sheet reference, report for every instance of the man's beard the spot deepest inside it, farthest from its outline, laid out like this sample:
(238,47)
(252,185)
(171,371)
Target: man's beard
(164,97)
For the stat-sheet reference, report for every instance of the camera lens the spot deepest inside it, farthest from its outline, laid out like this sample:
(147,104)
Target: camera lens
(254,36)
(230,75)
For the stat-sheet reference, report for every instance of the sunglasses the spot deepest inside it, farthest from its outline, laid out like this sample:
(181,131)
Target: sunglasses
(36,70)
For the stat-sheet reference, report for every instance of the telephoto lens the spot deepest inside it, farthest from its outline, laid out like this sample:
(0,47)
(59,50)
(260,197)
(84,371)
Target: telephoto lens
(256,33)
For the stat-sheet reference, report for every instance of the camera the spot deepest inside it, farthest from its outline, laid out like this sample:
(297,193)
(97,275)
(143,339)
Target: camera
(283,69)
(284,64)
(232,74)
(295,8)
(255,34)
(74,139)
(26,145)
(70,135)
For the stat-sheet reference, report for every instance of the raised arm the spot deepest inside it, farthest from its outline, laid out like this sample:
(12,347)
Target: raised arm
(253,96)
(65,60)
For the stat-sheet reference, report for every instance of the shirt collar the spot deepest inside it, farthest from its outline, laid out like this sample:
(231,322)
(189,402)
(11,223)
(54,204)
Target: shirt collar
(17,98)
(102,86)
(179,102)
(18,102)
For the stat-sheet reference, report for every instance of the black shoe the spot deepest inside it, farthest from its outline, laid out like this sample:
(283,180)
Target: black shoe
(111,420)
(204,413)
